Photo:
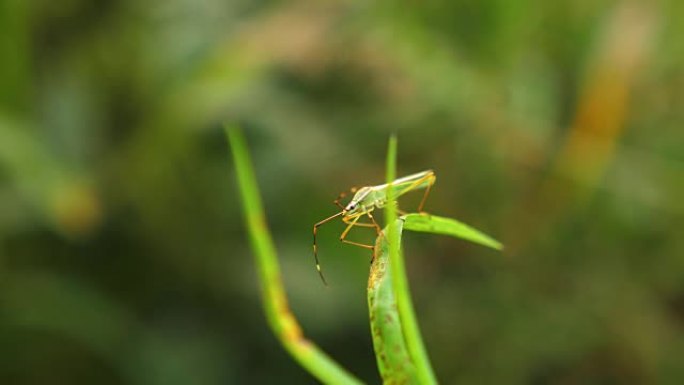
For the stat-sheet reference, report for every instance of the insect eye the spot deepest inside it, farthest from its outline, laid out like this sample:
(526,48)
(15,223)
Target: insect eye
(351,206)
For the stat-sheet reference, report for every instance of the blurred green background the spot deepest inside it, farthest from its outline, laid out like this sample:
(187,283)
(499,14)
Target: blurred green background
(554,126)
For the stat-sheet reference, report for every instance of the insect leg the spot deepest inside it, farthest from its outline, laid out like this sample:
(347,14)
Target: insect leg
(369,247)
(430,178)
(360,224)
(427,191)
(374,224)
(346,231)
(315,248)
(378,230)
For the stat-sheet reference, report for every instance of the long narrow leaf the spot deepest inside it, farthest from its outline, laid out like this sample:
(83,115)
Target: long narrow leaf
(274,300)
(428,223)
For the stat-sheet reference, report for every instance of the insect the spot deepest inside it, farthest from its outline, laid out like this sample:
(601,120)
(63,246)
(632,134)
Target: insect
(366,199)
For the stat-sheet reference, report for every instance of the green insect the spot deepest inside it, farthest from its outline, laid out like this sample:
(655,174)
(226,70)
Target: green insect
(366,199)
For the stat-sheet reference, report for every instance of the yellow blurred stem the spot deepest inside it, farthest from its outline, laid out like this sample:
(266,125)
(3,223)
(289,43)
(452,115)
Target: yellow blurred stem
(598,124)
(274,300)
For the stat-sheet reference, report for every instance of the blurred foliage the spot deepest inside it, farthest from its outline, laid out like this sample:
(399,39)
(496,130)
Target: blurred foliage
(553,126)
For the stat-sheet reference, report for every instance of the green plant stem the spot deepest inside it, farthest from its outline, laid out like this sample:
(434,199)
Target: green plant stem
(414,340)
(394,362)
(278,314)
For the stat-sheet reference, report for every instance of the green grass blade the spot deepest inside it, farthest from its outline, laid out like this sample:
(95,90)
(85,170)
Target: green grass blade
(394,362)
(414,340)
(439,225)
(274,300)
